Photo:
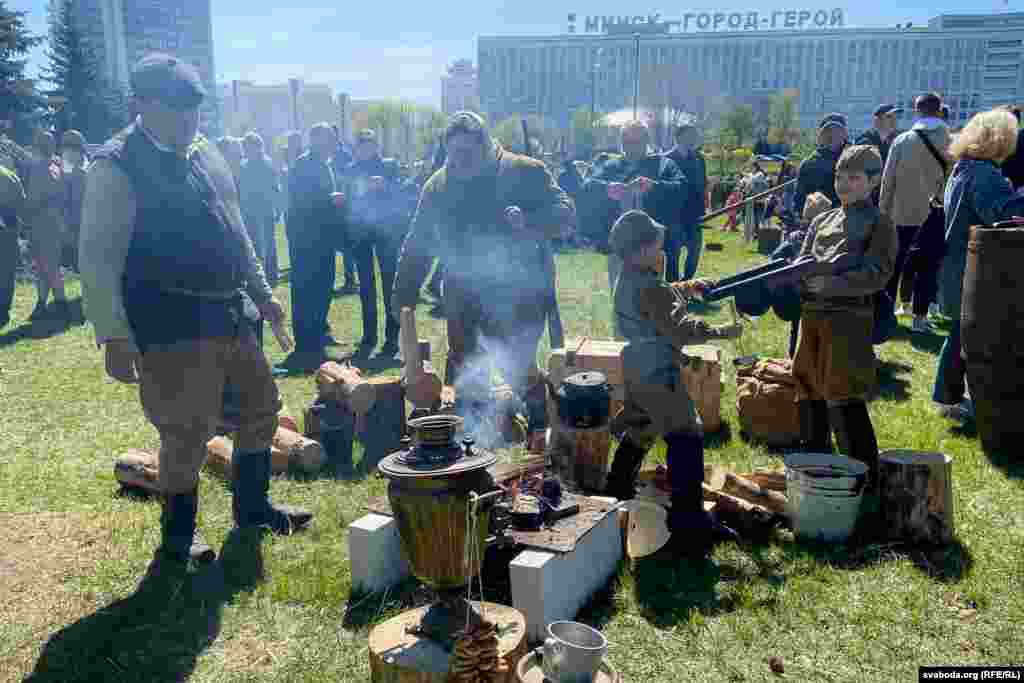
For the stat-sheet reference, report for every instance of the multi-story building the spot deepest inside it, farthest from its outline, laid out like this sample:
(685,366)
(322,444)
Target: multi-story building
(122,31)
(273,110)
(460,87)
(973,61)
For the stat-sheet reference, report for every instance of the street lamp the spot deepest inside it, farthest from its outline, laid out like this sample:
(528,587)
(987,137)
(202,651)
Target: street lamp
(636,73)
(593,85)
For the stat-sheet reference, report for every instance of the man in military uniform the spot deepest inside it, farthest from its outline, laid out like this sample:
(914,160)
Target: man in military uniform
(12,200)
(486,214)
(44,213)
(817,173)
(170,279)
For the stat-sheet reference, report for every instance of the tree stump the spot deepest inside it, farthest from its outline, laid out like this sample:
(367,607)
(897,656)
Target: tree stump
(381,429)
(345,384)
(400,657)
(916,491)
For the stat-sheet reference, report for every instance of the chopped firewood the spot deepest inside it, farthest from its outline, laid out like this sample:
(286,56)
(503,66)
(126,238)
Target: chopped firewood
(743,488)
(773,481)
(345,384)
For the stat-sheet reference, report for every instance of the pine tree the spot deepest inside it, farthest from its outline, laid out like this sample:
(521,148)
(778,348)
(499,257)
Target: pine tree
(81,98)
(19,102)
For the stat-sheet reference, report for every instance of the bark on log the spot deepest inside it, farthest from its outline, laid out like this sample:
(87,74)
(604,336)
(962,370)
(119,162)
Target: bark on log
(748,490)
(773,481)
(917,496)
(345,384)
(397,656)
(381,430)
(744,516)
(298,450)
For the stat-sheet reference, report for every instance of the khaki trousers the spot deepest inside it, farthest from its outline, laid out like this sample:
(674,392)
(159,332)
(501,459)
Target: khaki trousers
(834,358)
(181,387)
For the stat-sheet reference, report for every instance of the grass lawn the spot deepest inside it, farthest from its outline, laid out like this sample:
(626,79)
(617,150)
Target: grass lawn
(72,551)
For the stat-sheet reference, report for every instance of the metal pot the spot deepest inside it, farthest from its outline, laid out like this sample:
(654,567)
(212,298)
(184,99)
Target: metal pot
(584,400)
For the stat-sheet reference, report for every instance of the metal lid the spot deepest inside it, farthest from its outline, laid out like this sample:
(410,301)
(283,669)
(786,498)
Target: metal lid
(426,462)
(587,379)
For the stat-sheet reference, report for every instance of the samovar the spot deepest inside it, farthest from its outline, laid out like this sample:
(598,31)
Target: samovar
(435,493)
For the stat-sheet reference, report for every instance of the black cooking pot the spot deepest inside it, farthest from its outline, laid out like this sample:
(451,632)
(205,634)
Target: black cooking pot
(584,400)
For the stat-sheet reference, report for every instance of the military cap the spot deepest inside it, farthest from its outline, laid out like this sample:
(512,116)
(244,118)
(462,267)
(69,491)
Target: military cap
(884,109)
(168,79)
(929,104)
(833,120)
(72,138)
(633,231)
(860,159)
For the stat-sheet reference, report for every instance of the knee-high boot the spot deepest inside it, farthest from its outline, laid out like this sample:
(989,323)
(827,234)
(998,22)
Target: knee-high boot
(629,458)
(251,501)
(180,540)
(815,434)
(855,435)
(693,530)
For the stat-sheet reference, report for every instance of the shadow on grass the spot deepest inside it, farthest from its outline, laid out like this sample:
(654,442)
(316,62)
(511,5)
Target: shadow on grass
(1009,463)
(927,343)
(891,383)
(720,438)
(157,633)
(667,590)
(45,328)
(368,609)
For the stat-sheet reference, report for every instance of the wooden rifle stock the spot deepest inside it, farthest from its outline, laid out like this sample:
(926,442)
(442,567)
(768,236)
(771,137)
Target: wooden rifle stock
(726,209)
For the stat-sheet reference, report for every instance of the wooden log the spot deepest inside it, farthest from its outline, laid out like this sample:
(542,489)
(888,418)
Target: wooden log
(423,384)
(409,343)
(381,430)
(397,656)
(773,481)
(138,469)
(744,516)
(701,374)
(581,457)
(299,451)
(345,384)
(916,491)
(742,488)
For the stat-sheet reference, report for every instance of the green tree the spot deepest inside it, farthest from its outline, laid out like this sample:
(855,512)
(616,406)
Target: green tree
(782,118)
(584,128)
(81,99)
(430,125)
(20,104)
(739,121)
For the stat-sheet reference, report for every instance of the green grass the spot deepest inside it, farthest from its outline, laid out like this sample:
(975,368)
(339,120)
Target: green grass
(870,612)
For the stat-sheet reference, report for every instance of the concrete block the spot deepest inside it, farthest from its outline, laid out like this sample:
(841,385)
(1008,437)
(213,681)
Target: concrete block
(375,553)
(549,586)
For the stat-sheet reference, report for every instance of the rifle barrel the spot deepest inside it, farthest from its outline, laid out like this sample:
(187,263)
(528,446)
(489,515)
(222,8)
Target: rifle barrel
(726,209)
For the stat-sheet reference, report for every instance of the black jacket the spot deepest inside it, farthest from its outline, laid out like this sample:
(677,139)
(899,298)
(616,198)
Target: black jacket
(663,202)
(1013,168)
(817,174)
(381,213)
(694,169)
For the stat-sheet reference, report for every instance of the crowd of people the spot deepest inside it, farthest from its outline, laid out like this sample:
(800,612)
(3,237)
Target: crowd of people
(175,239)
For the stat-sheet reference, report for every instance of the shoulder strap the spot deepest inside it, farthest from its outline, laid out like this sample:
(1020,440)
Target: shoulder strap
(931,148)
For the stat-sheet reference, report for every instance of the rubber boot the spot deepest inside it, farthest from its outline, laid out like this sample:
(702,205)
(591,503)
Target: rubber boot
(855,436)
(181,540)
(629,458)
(693,531)
(251,503)
(815,435)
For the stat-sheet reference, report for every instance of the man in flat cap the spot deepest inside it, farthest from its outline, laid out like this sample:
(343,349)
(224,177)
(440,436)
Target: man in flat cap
(173,288)
(487,213)
(817,172)
(883,130)
(377,223)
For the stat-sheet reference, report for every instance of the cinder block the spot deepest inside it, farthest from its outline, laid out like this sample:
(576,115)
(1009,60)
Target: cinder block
(375,553)
(549,587)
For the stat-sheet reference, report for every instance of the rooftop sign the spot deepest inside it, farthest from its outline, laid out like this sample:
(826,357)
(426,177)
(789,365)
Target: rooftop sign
(753,20)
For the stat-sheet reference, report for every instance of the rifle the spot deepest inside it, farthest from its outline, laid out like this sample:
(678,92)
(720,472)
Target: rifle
(556,331)
(775,274)
(726,209)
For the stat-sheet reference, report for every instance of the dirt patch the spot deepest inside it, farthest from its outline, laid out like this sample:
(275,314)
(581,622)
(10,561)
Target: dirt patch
(40,557)
(249,650)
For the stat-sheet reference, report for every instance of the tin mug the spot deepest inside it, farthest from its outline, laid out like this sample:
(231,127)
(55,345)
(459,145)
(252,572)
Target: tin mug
(572,653)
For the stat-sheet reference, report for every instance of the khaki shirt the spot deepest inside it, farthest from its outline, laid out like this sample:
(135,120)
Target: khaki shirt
(108,221)
(861,230)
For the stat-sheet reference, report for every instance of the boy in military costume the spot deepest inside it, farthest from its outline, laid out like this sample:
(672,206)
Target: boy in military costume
(650,315)
(834,358)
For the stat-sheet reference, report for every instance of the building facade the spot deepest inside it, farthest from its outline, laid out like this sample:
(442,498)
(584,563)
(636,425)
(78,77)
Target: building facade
(274,110)
(123,31)
(974,61)
(460,87)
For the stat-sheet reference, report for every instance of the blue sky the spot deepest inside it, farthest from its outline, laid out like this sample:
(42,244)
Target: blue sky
(390,49)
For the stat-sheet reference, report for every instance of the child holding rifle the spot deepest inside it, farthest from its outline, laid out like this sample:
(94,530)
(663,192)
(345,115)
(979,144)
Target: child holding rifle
(650,315)
(834,358)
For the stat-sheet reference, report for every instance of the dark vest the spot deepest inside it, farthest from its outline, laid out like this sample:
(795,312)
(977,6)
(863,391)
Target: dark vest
(184,270)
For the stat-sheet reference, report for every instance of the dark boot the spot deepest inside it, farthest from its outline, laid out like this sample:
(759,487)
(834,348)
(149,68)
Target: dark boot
(855,436)
(694,531)
(629,457)
(815,435)
(251,503)
(181,541)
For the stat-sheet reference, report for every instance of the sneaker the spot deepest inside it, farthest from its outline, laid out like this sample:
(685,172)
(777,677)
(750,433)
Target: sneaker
(922,326)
